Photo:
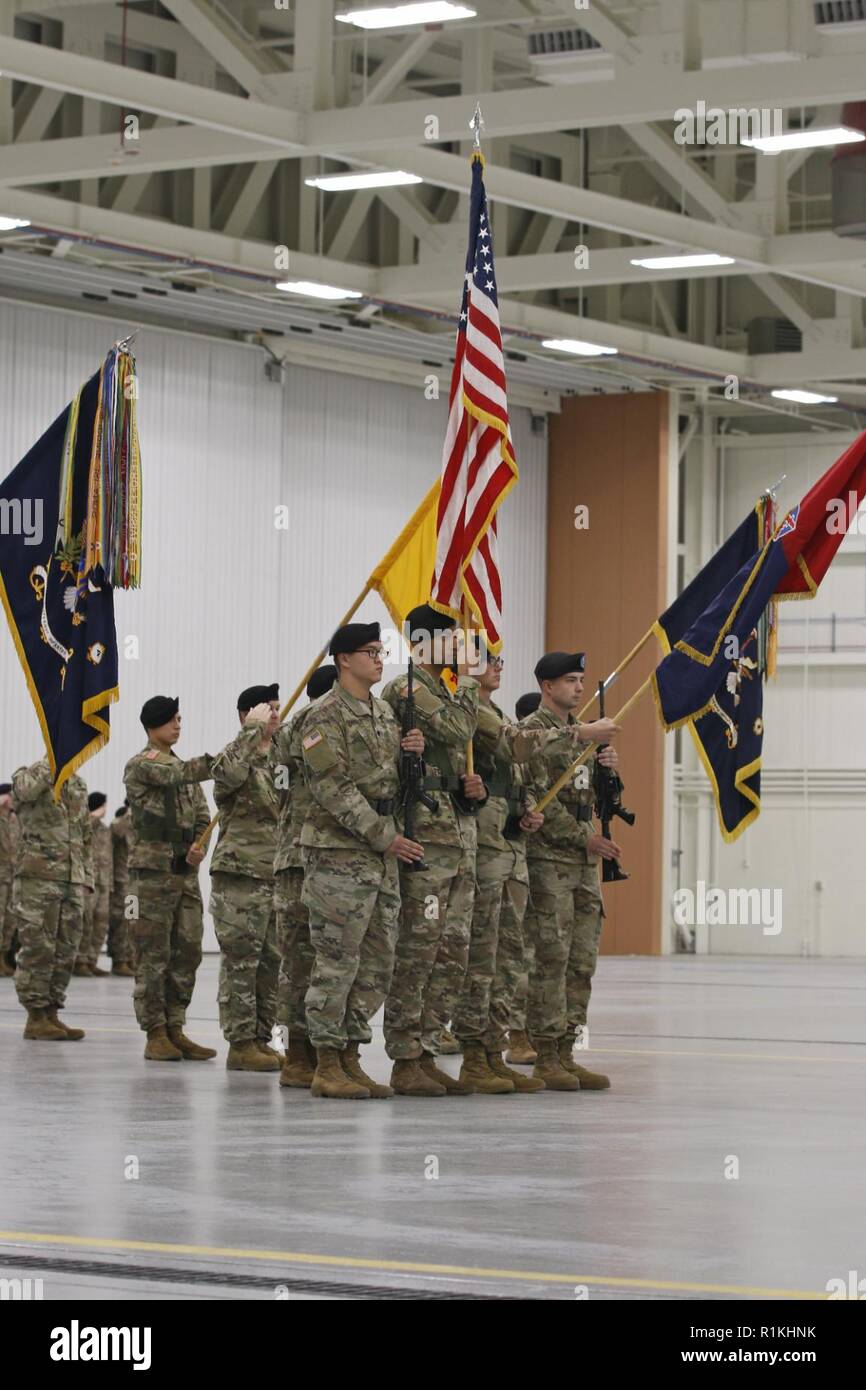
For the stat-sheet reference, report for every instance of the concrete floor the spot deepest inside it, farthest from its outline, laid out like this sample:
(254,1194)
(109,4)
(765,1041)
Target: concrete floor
(249,1191)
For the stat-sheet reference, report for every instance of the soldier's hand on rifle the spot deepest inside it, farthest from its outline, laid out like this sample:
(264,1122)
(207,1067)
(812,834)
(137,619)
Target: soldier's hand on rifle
(598,731)
(608,757)
(473,787)
(407,850)
(195,856)
(413,742)
(259,714)
(531,821)
(608,849)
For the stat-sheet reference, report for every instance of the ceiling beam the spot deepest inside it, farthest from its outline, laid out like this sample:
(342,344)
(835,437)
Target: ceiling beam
(100,156)
(248,65)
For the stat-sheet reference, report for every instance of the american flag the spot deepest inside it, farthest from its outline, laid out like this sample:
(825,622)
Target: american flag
(478,463)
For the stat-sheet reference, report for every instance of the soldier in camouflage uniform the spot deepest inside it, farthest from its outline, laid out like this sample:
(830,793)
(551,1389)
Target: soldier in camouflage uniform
(169,812)
(350,847)
(501,892)
(433,943)
(53,873)
(9,838)
(242,884)
(563,876)
(119,940)
(520,1050)
(293,923)
(96,903)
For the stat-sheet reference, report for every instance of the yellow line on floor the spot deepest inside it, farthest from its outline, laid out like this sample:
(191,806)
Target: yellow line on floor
(399,1266)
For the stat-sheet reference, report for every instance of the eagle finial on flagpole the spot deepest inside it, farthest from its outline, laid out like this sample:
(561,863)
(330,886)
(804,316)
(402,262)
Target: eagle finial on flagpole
(477,125)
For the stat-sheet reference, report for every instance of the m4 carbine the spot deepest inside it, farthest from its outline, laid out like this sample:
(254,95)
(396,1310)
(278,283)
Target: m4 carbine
(607,790)
(412,771)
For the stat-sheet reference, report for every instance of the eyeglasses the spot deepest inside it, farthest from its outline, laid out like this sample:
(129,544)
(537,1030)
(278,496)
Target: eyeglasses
(374,653)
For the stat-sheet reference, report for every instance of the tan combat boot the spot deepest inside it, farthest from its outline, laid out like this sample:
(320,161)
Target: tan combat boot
(351,1063)
(264,1046)
(550,1070)
(189,1051)
(159,1048)
(527,1084)
(449,1045)
(589,1080)
(408,1079)
(81,968)
(296,1069)
(121,968)
(520,1052)
(330,1081)
(39,1028)
(460,1087)
(73,1034)
(476,1073)
(246,1056)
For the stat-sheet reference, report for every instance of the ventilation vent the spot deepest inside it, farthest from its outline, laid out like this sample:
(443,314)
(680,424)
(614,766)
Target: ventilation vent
(773,335)
(830,12)
(547,42)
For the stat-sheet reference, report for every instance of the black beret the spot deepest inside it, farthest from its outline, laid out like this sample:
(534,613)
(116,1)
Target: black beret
(527,704)
(321,681)
(158,710)
(554,664)
(427,621)
(354,636)
(257,695)
(121,810)
(95,800)
(5,787)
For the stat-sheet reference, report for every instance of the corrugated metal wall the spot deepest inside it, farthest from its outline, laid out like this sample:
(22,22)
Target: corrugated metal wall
(229,600)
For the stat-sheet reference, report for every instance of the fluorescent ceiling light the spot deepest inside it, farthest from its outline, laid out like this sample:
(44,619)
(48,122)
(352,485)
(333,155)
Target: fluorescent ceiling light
(341,183)
(805,139)
(577,346)
(677,262)
(804,397)
(9,224)
(395,16)
(315,291)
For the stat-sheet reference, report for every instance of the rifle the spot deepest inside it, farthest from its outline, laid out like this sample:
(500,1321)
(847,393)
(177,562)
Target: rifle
(412,771)
(607,789)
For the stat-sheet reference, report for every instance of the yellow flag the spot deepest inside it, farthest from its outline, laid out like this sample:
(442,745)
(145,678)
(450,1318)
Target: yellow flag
(402,577)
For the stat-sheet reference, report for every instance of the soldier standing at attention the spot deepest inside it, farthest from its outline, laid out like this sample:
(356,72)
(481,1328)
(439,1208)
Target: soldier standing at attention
(242,884)
(96,903)
(433,942)
(9,837)
(53,873)
(293,922)
(501,892)
(350,848)
(119,943)
(168,811)
(563,876)
(520,1049)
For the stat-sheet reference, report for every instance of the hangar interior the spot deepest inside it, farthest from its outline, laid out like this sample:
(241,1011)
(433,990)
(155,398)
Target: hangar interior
(662,278)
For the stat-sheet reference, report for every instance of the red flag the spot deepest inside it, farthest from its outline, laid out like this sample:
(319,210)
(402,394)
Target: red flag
(812,532)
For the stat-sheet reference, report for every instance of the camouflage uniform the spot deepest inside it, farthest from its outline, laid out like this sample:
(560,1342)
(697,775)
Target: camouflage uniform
(168,811)
(293,922)
(351,752)
(433,942)
(96,903)
(484,1009)
(567,910)
(119,938)
(53,872)
(10,836)
(242,892)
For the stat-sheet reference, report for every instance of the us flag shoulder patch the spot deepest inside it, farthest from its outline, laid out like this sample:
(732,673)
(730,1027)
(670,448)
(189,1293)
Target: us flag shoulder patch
(311,740)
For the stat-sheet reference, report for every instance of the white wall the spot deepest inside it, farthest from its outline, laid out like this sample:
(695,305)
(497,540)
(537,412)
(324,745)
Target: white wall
(227,600)
(808,839)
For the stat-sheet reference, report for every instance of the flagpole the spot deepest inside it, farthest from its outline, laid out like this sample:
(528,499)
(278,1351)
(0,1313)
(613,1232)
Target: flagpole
(570,771)
(476,125)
